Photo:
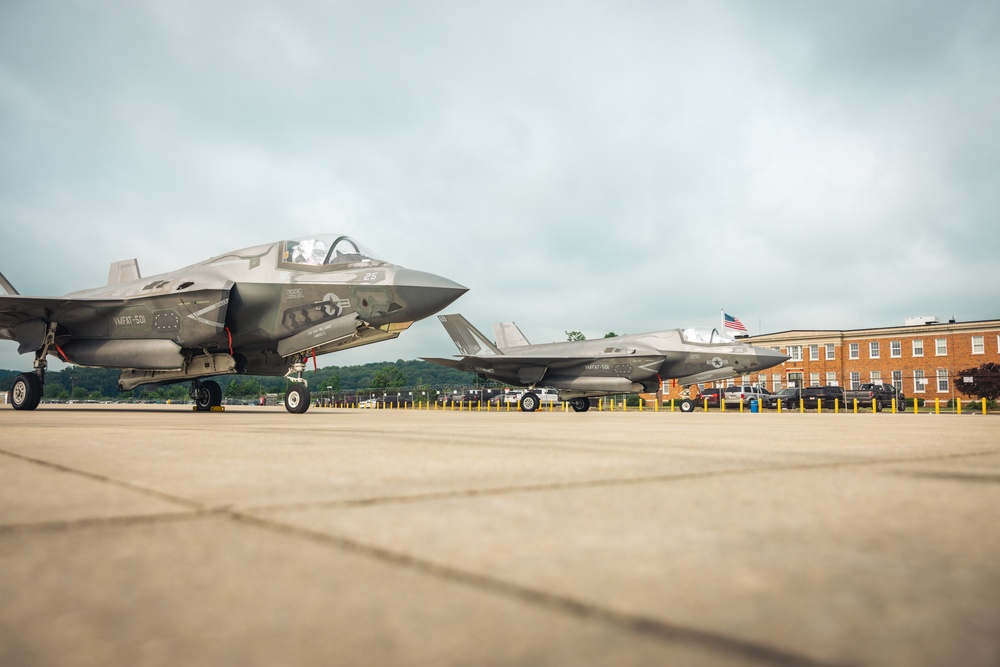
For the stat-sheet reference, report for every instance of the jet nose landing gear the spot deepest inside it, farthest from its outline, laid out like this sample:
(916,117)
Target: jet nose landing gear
(297,397)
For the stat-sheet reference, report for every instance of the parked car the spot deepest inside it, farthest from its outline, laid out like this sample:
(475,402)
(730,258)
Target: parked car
(711,394)
(741,394)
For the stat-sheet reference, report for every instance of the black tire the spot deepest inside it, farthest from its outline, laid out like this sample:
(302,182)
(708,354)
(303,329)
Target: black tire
(26,392)
(580,404)
(297,399)
(529,402)
(208,395)
(687,405)
(900,406)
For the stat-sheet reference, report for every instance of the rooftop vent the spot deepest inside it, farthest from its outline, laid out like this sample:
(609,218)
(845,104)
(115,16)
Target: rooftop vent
(914,321)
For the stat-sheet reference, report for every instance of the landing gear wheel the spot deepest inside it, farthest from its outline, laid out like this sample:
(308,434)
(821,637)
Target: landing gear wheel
(207,395)
(580,404)
(687,405)
(26,392)
(297,399)
(529,402)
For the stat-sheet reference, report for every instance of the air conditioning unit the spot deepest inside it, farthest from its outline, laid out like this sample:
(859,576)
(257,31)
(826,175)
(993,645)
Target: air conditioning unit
(915,321)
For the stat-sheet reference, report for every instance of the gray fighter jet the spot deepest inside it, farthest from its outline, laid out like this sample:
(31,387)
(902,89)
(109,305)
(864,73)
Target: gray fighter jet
(590,368)
(263,310)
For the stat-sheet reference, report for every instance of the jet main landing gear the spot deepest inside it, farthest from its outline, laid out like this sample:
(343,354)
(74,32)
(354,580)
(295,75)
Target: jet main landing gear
(26,392)
(207,394)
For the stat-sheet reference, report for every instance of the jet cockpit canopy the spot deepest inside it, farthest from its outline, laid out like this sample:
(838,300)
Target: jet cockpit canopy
(324,250)
(705,336)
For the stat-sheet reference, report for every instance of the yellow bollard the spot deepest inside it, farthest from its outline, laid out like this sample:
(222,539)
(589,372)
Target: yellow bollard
(802,405)
(855,406)
(836,406)
(958,405)
(779,406)
(984,406)
(893,405)
(706,404)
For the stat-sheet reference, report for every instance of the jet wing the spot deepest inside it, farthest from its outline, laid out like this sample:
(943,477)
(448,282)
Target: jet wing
(17,309)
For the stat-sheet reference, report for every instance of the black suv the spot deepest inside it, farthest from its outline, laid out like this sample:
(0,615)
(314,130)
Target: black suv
(790,397)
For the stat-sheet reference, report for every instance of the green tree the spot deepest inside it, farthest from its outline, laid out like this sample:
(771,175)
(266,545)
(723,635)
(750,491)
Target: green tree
(985,381)
(611,334)
(574,336)
(388,376)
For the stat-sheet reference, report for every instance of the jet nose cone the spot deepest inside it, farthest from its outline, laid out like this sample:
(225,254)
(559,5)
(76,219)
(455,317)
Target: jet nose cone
(422,294)
(767,357)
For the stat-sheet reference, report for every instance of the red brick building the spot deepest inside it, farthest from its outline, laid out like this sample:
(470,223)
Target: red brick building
(921,358)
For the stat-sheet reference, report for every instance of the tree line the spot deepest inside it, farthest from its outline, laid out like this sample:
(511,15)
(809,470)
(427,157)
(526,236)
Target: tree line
(101,384)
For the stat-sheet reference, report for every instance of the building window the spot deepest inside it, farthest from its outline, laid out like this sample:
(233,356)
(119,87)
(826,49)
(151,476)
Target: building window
(875,377)
(942,380)
(919,382)
(941,347)
(896,349)
(918,348)
(831,350)
(795,352)
(814,353)
(873,350)
(795,379)
(775,382)
(814,379)
(978,345)
(855,380)
(897,380)
(831,379)
(762,381)
(855,351)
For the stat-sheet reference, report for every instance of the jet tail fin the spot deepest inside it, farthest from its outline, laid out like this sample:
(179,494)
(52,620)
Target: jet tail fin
(508,335)
(469,340)
(123,271)
(7,286)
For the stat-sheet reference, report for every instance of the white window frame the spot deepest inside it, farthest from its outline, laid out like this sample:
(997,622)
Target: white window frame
(918,347)
(795,352)
(855,351)
(775,382)
(940,347)
(831,378)
(855,380)
(978,345)
(875,377)
(897,380)
(896,349)
(942,381)
(874,350)
(831,350)
(814,379)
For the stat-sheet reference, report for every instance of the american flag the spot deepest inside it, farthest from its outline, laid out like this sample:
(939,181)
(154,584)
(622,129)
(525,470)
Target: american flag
(733,322)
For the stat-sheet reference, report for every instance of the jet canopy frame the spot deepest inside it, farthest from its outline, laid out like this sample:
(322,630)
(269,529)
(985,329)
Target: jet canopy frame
(320,252)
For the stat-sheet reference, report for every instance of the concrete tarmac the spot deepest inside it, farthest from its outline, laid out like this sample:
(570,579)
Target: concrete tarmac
(159,536)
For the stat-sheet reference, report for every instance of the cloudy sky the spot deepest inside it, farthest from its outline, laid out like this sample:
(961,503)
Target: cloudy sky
(590,166)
